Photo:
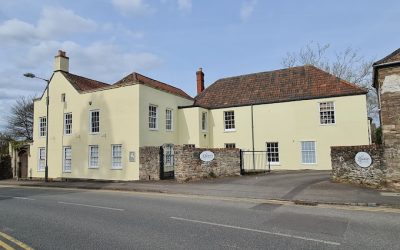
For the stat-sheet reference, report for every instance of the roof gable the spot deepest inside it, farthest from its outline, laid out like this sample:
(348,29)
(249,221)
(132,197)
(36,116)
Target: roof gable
(392,57)
(291,84)
(141,79)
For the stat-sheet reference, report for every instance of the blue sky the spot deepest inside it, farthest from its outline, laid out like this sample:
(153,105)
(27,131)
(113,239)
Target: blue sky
(170,39)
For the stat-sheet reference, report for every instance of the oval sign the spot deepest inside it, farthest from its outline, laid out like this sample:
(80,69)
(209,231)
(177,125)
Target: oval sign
(207,156)
(363,159)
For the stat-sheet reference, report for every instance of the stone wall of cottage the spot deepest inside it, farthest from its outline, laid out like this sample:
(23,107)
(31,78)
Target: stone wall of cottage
(149,163)
(188,165)
(345,168)
(389,86)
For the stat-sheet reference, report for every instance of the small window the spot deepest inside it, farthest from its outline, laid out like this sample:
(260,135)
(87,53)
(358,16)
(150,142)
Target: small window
(63,97)
(327,113)
(308,152)
(93,156)
(189,146)
(42,126)
(94,121)
(168,119)
(204,121)
(229,120)
(42,159)
(117,156)
(273,152)
(153,117)
(230,145)
(68,123)
(67,159)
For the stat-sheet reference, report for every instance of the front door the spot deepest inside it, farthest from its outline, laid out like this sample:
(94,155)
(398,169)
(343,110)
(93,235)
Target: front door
(23,164)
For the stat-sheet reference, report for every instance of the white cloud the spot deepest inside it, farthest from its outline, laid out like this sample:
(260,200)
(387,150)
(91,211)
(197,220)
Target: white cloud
(137,7)
(54,23)
(185,5)
(247,9)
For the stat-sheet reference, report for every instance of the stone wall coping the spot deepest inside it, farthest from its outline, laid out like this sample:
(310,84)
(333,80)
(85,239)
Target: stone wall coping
(358,147)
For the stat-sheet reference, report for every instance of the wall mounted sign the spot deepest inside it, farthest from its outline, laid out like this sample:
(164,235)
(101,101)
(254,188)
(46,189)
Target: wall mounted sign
(363,159)
(207,156)
(131,156)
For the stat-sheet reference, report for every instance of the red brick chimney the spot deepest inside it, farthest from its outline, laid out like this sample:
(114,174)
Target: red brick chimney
(200,80)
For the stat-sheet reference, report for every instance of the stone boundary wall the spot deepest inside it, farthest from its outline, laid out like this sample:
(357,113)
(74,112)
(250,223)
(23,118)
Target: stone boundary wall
(345,169)
(188,165)
(149,163)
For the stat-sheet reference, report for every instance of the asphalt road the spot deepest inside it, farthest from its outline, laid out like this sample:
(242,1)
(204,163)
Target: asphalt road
(45,218)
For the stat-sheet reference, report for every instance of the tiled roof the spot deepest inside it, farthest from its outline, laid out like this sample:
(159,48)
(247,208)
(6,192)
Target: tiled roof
(138,78)
(291,84)
(392,57)
(81,83)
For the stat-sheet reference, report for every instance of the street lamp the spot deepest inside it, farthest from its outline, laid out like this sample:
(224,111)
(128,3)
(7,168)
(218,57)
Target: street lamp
(46,170)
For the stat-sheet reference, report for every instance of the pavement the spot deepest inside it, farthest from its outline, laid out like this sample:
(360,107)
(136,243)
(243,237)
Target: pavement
(304,187)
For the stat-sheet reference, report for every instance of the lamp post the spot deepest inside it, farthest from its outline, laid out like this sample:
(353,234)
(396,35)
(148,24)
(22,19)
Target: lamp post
(46,170)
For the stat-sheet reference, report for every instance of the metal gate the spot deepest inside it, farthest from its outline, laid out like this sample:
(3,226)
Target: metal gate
(167,162)
(254,162)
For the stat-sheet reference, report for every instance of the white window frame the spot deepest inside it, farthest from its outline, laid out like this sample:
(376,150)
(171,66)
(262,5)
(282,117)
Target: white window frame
(116,164)
(233,128)
(170,119)
(229,145)
(41,159)
(303,150)
(169,155)
(204,121)
(320,113)
(91,123)
(43,126)
(153,117)
(65,160)
(269,153)
(67,124)
(90,156)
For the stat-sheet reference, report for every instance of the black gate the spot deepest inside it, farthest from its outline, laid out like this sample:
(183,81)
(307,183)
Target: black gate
(254,162)
(167,162)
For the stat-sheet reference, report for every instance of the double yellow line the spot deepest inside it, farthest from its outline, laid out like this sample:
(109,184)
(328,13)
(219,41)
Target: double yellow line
(5,246)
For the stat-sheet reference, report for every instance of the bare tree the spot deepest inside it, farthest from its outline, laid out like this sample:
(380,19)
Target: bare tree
(20,120)
(4,140)
(348,65)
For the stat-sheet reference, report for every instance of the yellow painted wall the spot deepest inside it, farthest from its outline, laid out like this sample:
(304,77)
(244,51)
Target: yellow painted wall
(289,123)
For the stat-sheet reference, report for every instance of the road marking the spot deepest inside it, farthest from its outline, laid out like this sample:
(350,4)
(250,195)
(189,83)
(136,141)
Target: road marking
(17,197)
(390,194)
(259,231)
(4,246)
(85,205)
(15,241)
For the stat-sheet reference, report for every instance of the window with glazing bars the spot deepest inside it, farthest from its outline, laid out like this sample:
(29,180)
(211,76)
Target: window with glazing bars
(117,156)
(42,159)
(43,126)
(230,145)
(273,152)
(168,119)
(229,120)
(93,156)
(67,159)
(68,123)
(308,152)
(327,112)
(152,117)
(94,121)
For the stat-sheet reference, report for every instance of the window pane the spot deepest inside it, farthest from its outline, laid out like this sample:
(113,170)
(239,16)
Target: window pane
(152,117)
(116,156)
(327,112)
(308,155)
(95,121)
(229,120)
(272,152)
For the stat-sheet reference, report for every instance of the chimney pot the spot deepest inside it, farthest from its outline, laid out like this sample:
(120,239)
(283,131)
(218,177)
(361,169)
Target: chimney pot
(200,80)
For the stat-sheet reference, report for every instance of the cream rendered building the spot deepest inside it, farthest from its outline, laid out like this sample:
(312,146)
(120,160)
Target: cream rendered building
(96,129)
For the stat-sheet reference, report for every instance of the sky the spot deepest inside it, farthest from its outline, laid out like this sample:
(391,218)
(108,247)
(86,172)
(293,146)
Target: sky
(169,40)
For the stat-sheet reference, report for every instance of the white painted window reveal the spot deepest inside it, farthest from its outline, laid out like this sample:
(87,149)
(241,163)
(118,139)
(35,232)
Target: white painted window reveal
(117,156)
(168,119)
(327,112)
(153,117)
(42,126)
(273,152)
(308,155)
(67,159)
(94,121)
(93,156)
(229,120)
(68,123)
(42,159)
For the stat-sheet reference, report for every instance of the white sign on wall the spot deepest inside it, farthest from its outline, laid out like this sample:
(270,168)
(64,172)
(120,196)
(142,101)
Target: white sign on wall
(207,156)
(132,156)
(363,159)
